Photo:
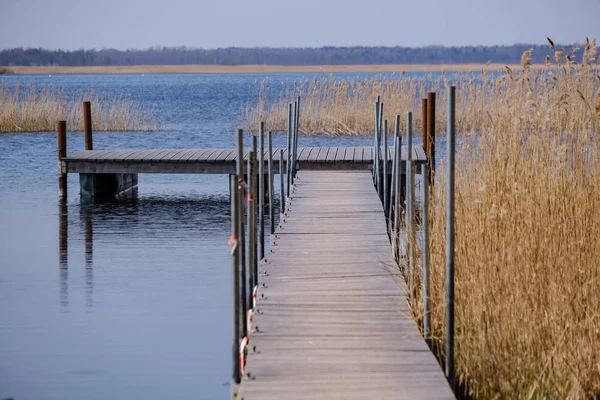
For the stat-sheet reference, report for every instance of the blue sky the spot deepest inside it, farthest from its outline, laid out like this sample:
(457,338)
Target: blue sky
(122,24)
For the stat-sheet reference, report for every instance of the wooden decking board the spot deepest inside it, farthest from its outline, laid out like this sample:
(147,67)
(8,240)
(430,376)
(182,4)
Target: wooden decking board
(332,317)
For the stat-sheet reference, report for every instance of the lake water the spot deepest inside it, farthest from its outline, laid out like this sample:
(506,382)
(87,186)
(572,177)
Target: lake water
(142,306)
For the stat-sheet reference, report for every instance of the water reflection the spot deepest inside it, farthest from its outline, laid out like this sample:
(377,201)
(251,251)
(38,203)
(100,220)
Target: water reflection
(86,215)
(63,251)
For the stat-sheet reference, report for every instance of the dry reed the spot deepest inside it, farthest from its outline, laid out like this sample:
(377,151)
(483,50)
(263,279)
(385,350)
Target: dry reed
(527,239)
(27,109)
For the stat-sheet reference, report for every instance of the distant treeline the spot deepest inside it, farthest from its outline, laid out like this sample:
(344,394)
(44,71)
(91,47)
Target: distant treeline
(279,56)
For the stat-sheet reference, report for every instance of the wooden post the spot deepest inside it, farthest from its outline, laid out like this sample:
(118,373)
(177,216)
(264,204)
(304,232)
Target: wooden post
(261,192)
(270,188)
(254,191)
(251,223)
(431,135)
(281,178)
(289,150)
(62,153)
(294,141)
(450,142)
(241,237)
(87,125)
(385,168)
(425,246)
(235,253)
(410,191)
(379,148)
(424,124)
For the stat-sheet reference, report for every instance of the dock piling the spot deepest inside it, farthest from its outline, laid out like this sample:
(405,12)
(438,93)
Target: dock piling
(375,147)
(235,253)
(425,245)
(289,150)
(450,142)
(261,192)
(281,189)
(270,188)
(62,153)
(410,208)
(251,223)
(87,125)
(297,129)
(241,236)
(397,188)
(424,125)
(431,135)
(385,167)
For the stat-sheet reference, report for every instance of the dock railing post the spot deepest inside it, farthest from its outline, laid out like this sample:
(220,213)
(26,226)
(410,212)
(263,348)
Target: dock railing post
(431,135)
(425,245)
(289,150)
(261,192)
(375,147)
(270,188)
(379,140)
(62,153)
(251,215)
(385,167)
(398,188)
(281,184)
(241,237)
(87,125)
(410,207)
(450,142)
(297,129)
(391,191)
(235,253)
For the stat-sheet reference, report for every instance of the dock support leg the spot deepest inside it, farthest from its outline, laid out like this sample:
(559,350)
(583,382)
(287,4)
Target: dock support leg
(107,186)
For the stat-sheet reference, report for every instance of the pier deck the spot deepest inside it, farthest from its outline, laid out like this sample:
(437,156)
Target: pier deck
(331,318)
(216,161)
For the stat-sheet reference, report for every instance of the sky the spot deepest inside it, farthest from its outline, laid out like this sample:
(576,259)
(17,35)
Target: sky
(123,24)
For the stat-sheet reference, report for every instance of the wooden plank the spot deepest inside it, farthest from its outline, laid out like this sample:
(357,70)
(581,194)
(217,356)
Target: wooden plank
(349,155)
(183,155)
(331,154)
(330,294)
(227,154)
(175,154)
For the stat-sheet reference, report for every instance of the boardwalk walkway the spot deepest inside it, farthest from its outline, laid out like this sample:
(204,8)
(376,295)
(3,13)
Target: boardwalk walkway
(332,320)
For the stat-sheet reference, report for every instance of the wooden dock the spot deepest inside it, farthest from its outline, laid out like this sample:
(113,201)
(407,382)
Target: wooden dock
(216,161)
(331,319)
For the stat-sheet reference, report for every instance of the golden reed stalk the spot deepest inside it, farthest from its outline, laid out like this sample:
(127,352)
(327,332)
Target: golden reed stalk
(31,110)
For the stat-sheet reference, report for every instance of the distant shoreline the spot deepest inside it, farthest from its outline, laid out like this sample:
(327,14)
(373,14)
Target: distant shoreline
(251,69)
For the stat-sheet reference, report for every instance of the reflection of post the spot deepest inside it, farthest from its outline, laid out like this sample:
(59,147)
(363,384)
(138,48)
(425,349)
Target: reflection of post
(89,255)
(63,250)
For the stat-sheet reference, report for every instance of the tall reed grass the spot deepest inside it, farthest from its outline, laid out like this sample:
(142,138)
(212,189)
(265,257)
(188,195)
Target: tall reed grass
(527,238)
(558,98)
(29,109)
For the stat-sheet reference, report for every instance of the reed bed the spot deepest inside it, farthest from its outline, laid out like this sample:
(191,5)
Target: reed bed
(527,251)
(29,109)
(335,106)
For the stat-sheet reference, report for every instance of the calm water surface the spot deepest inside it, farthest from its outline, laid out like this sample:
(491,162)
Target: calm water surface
(142,305)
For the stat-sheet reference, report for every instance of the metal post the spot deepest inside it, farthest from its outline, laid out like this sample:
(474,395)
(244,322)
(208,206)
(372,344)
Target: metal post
(241,237)
(410,207)
(281,178)
(450,142)
(293,155)
(425,227)
(297,135)
(397,189)
(270,188)
(62,153)
(261,192)
(235,252)
(431,135)
(87,125)
(289,150)
(376,146)
(391,210)
(385,168)
(251,215)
